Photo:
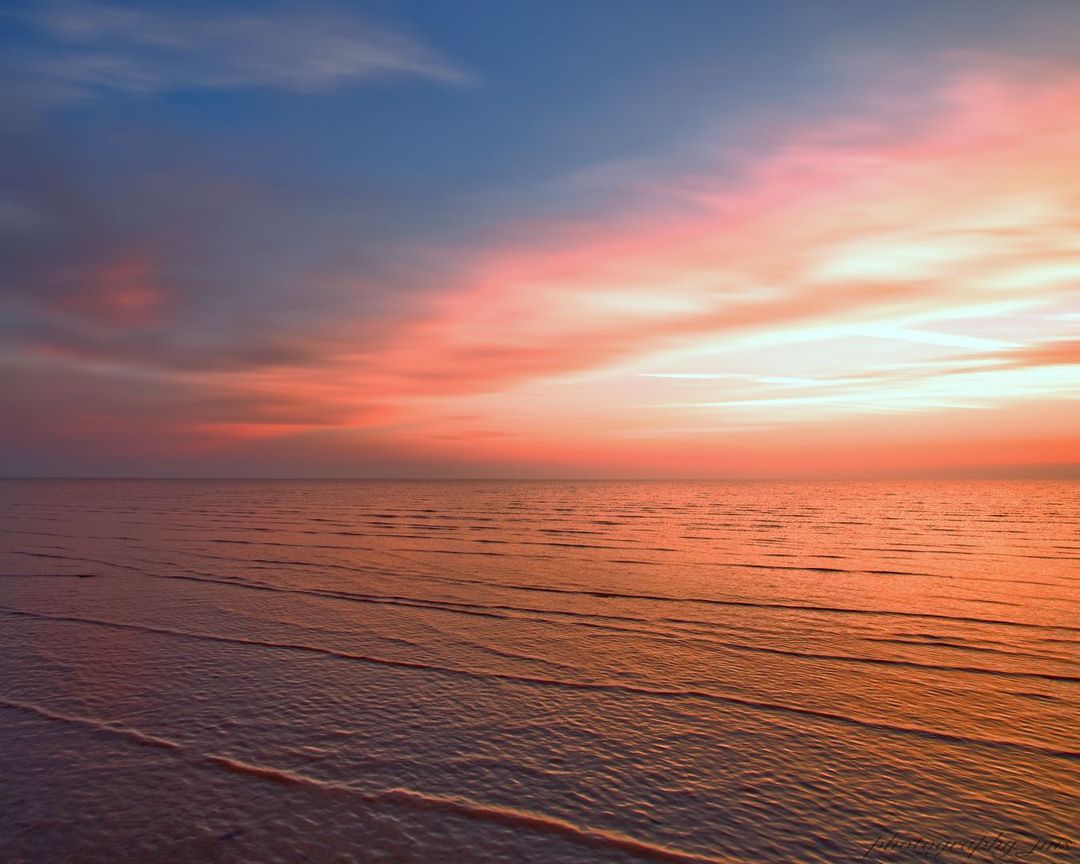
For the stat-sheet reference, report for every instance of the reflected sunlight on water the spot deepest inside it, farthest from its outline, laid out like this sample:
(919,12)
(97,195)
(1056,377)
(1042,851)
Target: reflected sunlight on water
(534,671)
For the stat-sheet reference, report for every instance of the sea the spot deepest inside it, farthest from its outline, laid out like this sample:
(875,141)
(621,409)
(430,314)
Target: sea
(501,671)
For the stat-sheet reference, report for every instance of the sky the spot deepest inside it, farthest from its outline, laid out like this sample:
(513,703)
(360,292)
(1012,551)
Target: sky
(540,238)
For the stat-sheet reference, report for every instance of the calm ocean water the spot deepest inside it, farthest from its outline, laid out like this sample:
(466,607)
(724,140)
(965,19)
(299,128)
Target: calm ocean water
(538,672)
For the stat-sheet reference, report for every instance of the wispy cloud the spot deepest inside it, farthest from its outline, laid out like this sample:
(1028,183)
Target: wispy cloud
(846,288)
(89,49)
(891,237)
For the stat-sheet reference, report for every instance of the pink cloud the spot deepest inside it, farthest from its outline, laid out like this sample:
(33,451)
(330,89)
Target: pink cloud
(123,292)
(968,208)
(892,229)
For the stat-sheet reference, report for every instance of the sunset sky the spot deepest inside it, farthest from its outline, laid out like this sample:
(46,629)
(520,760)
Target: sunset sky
(612,238)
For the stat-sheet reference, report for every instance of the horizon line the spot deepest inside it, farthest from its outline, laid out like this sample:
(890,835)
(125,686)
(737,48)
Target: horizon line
(1072,475)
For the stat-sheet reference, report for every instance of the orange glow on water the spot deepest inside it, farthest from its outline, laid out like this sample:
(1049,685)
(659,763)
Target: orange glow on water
(723,662)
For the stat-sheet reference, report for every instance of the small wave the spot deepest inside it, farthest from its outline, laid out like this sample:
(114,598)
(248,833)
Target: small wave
(600,687)
(399,796)
(127,732)
(56,557)
(909,664)
(591,619)
(548,824)
(275,775)
(950,643)
(800,607)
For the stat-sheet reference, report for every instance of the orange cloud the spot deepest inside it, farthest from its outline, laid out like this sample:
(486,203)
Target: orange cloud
(1055,352)
(867,296)
(978,206)
(891,270)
